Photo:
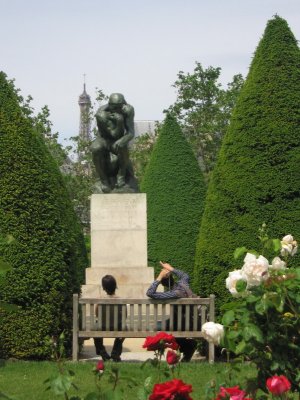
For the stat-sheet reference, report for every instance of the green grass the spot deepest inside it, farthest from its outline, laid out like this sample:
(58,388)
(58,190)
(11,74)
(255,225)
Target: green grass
(21,380)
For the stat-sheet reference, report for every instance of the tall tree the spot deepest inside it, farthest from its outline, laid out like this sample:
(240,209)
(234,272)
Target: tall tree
(203,109)
(175,190)
(47,255)
(256,178)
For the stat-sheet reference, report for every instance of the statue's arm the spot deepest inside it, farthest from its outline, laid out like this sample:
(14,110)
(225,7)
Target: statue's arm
(101,118)
(128,112)
(129,120)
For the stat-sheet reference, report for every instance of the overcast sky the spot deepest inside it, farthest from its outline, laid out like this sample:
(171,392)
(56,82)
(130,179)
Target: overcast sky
(135,47)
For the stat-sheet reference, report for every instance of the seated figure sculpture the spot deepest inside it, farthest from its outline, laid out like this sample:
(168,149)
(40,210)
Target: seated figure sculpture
(115,122)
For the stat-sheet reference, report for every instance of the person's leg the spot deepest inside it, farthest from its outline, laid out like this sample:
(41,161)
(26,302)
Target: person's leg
(187,347)
(117,349)
(100,349)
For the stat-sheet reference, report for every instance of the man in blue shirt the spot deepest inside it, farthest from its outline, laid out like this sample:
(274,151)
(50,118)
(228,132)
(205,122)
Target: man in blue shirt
(176,290)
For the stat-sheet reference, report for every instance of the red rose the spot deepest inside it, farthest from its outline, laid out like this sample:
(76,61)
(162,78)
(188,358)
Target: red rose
(100,366)
(278,384)
(171,390)
(232,393)
(160,341)
(172,358)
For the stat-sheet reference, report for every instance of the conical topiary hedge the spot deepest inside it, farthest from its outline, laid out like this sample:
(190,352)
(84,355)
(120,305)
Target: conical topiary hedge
(257,175)
(175,191)
(48,254)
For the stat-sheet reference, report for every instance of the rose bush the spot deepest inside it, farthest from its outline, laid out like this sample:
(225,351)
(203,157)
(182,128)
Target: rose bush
(263,324)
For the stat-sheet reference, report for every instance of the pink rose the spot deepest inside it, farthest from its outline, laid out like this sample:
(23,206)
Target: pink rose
(231,393)
(278,384)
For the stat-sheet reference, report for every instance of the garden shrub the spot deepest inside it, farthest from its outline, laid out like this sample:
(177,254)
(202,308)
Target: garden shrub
(175,190)
(48,254)
(256,178)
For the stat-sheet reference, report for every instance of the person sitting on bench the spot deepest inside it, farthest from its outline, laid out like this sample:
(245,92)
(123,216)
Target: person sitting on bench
(175,290)
(109,285)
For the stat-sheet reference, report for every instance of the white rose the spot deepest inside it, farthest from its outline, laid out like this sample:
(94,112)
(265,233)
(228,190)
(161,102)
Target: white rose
(212,332)
(255,270)
(277,264)
(289,246)
(231,281)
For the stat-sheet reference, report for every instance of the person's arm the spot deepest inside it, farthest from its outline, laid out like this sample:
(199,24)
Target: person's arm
(151,292)
(183,276)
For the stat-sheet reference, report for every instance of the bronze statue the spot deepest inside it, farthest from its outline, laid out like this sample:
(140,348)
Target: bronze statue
(110,149)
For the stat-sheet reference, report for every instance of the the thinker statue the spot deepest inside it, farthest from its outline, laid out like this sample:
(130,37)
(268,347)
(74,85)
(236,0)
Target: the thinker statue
(110,148)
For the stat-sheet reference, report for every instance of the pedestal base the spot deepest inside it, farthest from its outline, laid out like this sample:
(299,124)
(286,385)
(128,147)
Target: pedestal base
(119,245)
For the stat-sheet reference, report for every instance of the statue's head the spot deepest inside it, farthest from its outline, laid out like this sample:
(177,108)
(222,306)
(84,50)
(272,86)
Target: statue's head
(116,101)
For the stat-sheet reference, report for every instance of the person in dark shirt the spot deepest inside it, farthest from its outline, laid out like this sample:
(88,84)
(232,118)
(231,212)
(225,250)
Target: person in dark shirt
(175,290)
(109,285)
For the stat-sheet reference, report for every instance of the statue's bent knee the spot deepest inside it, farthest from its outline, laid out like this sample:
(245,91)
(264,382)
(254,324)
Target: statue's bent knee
(99,145)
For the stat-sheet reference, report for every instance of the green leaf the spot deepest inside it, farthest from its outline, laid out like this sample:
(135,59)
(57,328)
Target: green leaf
(142,394)
(112,395)
(240,251)
(61,384)
(275,300)
(260,307)
(276,244)
(92,396)
(228,318)
(233,334)
(240,348)
(228,343)
(253,331)
(148,383)
(241,286)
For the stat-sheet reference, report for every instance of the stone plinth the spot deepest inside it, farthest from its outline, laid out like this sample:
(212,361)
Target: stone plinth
(119,245)
(118,230)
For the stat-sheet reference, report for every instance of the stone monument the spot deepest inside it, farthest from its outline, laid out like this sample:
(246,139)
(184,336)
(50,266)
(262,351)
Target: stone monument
(118,213)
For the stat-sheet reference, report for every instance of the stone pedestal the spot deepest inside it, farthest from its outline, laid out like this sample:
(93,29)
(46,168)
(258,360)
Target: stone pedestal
(119,244)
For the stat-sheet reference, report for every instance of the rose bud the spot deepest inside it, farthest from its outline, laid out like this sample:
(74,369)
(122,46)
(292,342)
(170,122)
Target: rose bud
(172,358)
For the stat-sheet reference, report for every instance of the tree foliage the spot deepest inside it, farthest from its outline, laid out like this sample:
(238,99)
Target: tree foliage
(175,191)
(140,152)
(47,255)
(256,178)
(203,109)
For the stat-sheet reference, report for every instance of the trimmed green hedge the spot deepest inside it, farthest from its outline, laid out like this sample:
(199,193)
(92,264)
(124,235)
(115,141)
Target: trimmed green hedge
(256,178)
(175,193)
(48,255)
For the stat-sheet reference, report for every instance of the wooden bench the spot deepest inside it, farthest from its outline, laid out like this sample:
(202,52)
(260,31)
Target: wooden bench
(140,318)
